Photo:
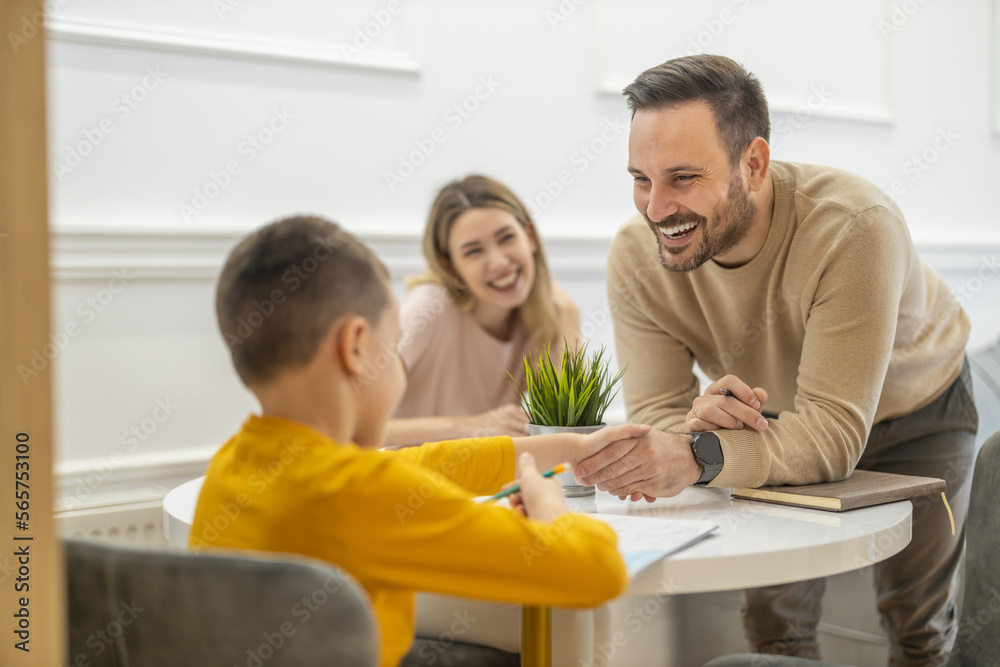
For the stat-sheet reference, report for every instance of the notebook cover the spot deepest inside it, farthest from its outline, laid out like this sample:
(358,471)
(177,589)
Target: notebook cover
(862,489)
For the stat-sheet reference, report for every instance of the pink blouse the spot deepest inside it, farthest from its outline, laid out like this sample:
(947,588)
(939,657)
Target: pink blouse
(454,366)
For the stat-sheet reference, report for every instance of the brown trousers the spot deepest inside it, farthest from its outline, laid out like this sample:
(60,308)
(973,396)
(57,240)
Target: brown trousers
(916,587)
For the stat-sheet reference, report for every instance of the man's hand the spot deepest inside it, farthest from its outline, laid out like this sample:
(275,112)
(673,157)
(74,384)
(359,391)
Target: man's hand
(658,465)
(728,403)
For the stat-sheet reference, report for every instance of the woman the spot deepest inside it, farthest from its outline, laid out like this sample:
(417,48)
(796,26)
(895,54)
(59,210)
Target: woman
(485,300)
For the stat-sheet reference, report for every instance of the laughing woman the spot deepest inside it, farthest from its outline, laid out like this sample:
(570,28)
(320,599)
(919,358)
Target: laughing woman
(485,299)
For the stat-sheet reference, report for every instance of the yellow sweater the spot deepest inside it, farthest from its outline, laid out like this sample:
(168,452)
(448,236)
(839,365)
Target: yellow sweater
(836,317)
(399,522)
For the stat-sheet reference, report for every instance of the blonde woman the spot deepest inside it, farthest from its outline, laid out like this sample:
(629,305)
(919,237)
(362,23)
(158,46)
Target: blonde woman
(485,299)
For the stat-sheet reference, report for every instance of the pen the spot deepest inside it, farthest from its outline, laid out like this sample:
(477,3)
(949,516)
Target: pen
(517,487)
(725,392)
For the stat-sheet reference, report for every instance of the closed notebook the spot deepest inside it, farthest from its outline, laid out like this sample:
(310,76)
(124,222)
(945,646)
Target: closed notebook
(861,489)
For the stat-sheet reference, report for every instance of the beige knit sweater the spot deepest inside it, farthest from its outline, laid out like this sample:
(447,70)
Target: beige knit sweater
(836,317)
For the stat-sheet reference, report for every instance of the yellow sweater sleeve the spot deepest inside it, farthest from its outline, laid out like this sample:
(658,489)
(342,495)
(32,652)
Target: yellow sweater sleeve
(478,465)
(421,531)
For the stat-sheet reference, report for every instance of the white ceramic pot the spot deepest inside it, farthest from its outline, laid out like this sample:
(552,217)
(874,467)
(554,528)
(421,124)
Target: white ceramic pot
(570,486)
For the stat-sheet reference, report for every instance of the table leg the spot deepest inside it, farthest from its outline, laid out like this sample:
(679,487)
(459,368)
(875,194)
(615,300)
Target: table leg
(536,636)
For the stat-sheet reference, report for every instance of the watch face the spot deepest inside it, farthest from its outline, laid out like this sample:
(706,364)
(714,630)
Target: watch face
(709,449)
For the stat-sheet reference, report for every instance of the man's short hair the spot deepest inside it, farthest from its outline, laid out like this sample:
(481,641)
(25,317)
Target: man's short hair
(285,284)
(734,95)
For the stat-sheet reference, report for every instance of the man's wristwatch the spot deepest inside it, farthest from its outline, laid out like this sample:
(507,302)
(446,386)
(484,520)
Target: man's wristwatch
(707,452)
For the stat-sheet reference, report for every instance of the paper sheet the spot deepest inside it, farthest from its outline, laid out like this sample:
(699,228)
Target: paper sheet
(643,541)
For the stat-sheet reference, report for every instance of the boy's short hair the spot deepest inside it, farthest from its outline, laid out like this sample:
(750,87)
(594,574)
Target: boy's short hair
(284,285)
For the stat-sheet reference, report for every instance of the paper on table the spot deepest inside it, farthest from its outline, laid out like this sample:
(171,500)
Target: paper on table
(643,541)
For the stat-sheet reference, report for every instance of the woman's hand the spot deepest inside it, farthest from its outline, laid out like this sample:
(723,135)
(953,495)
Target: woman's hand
(506,420)
(728,403)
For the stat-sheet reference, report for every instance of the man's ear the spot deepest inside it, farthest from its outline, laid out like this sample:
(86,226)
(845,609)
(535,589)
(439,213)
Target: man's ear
(350,340)
(758,159)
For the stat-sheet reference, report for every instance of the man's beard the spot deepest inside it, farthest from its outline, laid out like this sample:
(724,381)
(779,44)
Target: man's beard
(729,226)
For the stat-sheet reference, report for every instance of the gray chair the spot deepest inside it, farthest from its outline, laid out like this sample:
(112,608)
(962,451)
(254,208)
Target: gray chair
(978,642)
(985,366)
(150,608)
(444,652)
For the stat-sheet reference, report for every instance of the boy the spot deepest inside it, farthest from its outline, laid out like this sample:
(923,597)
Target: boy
(312,326)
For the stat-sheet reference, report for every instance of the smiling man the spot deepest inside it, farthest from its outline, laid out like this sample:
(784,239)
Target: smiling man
(798,291)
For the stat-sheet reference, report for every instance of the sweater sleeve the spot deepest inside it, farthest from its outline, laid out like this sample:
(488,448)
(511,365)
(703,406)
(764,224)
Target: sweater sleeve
(481,466)
(848,343)
(422,532)
(659,384)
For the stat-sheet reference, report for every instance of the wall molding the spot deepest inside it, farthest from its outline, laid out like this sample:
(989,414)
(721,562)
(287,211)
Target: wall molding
(91,255)
(124,36)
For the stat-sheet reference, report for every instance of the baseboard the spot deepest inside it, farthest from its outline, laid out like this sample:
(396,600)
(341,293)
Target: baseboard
(134,524)
(133,480)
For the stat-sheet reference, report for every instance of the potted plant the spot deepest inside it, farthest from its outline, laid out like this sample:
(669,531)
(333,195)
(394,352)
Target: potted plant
(569,399)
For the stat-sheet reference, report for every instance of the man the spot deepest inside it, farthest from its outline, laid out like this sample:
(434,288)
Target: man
(795,286)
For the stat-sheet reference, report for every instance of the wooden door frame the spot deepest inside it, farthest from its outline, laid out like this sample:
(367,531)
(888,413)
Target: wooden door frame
(31,584)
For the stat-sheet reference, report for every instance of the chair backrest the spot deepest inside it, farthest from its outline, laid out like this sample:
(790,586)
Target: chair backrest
(130,607)
(978,640)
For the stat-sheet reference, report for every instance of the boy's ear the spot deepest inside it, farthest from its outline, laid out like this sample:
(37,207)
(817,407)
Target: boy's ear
(351,340)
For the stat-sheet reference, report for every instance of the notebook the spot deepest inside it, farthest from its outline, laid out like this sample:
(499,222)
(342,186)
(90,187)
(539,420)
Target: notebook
(862,489)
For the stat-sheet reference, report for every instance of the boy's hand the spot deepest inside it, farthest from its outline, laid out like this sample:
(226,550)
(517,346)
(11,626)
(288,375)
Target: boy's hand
(540,498)
(572,448)
(592,443)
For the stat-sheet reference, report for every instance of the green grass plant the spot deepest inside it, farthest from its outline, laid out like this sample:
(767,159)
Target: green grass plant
(575,394)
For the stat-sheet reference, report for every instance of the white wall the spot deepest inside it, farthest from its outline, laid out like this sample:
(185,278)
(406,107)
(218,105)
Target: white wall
(864,85)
